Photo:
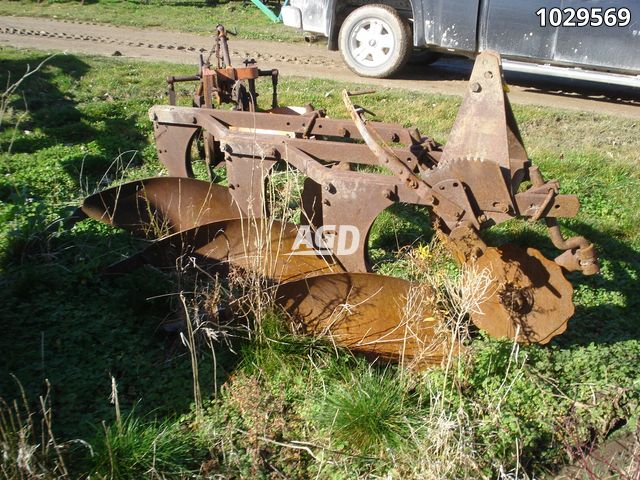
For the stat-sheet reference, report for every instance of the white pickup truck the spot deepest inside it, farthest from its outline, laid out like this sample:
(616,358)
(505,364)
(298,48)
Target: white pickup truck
(595,40)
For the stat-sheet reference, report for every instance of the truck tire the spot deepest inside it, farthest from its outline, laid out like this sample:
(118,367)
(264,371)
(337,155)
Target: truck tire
(375,41)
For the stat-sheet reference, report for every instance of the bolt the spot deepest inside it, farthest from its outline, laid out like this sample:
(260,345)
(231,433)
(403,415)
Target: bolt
(482,218)
(501,207)
(488,74)
(328,187)
(395,137)
(326,202)
(194,120)
(475,87)
(412,183)
(515,300)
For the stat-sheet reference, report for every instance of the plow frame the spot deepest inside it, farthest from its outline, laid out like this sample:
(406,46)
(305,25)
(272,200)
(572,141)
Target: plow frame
(328,151)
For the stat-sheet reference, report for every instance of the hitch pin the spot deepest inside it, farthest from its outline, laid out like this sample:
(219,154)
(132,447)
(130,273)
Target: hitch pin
(545,203)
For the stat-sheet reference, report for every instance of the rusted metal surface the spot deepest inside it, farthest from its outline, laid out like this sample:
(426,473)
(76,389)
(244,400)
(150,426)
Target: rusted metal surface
(218,84)
(379,316)
(479,174)
(159,206)
(485,127)
(580,254)
(260,246)
(530,299)
(222,82)
(474,182)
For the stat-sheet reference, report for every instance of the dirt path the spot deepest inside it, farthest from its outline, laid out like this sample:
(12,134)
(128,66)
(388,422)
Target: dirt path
(446,76)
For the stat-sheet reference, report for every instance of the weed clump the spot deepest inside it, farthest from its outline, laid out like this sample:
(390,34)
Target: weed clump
(368,412)
(133,449)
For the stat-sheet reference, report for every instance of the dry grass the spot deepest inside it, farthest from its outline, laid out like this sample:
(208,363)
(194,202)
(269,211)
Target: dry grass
(28,448)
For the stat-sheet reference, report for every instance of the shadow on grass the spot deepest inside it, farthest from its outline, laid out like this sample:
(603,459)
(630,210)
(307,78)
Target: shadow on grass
(51,110)
(56,119)
(60,319)
(606,321)
(65,322)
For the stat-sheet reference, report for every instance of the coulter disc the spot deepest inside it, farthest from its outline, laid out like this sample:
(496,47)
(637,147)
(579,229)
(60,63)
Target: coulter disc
(379,316)
(530,299)
(159,206)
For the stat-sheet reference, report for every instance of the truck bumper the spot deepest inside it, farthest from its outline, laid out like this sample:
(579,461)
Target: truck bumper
(291,17)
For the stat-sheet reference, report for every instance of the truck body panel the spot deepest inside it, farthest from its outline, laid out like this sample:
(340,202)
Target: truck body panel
(451,24)
(512,28)
(616,48)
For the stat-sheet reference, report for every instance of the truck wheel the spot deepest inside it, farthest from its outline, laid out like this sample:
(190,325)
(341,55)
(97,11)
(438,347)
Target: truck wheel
(375,41)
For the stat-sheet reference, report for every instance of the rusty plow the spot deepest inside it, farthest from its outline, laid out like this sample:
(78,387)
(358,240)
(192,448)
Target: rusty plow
(320,268)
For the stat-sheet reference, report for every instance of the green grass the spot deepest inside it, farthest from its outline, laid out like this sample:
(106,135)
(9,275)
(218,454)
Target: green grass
(290,404)
(135,449)
(184,16)
(367,412)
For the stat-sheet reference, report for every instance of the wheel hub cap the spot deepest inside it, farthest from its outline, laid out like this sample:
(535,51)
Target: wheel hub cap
(372,42)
